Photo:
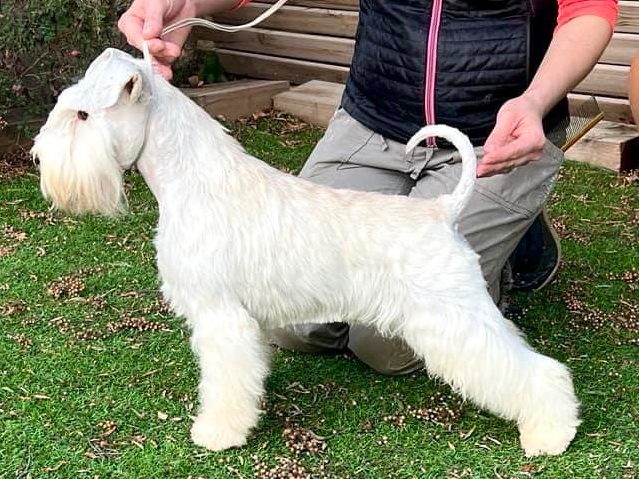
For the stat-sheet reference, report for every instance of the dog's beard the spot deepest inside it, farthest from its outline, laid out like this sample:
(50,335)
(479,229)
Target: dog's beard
(78,169)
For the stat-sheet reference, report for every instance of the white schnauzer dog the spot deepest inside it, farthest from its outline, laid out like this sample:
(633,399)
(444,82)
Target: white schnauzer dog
(243,248)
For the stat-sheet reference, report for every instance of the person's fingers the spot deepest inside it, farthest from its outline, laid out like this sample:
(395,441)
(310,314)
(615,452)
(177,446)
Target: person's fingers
(155,12)
(164,70)
(177,39)
(529,143)
(491,169)
(170,52)
(156,46)
(162,51)
(131,27)
(501,133)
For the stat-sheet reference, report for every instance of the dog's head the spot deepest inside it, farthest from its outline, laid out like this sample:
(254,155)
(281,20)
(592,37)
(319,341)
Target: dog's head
(95,132)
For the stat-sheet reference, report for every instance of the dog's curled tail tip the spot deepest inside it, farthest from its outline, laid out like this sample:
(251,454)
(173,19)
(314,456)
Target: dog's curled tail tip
(461,194)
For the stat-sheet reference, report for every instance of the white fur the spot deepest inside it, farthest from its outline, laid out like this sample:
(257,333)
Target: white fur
(242,247)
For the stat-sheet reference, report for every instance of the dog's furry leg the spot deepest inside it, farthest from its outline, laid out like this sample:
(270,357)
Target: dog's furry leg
(233,358)
(485,358)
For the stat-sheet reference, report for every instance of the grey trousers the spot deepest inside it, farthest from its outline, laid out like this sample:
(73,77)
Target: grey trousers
(500,211)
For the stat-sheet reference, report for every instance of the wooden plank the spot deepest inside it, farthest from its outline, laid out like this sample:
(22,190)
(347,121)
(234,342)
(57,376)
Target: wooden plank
(319,21)
(615,109)
(277,68)
(314,102)
(606,80)
(609,145)
(621,50)
(628,19)
(236,99)
(332,4)
(298,71)
(302,46)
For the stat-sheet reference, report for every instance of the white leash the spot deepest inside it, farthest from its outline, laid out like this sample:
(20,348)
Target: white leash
(200,22)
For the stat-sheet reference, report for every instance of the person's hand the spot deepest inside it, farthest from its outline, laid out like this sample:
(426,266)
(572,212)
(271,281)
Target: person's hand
(145,19)
(518,137)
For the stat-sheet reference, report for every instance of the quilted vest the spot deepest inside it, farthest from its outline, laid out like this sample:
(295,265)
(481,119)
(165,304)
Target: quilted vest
(419,62)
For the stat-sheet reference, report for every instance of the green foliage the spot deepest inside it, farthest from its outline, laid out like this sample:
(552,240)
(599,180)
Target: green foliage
(45,45)
(212,70)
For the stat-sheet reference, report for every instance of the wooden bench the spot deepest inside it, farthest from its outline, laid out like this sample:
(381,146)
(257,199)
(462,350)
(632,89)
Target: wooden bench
(314,40)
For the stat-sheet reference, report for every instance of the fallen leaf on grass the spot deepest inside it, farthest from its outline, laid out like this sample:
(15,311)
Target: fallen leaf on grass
(11,233)
(55,468)
(21,339)
(12,307)
(70,286)
(299,440)
(285,468)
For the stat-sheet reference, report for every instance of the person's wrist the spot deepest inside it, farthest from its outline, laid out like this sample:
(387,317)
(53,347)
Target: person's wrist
(538,101)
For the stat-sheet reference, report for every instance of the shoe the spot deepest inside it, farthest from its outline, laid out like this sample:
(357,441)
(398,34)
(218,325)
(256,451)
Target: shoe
(535,261)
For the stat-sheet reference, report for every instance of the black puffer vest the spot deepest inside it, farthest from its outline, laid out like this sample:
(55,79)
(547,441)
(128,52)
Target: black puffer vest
(456,62)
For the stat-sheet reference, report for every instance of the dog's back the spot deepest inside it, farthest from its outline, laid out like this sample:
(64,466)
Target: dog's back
(295,251)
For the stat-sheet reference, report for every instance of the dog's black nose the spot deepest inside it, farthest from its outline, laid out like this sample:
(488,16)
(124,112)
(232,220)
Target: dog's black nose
(36,160)
(83,115)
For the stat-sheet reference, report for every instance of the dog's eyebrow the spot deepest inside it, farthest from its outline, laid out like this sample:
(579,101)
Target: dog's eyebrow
(82,115)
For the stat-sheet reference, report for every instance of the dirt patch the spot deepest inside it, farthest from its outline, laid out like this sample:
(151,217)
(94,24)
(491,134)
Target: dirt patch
(14,164)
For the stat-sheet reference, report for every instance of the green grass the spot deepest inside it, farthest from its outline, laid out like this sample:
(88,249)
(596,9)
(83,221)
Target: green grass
(116,404)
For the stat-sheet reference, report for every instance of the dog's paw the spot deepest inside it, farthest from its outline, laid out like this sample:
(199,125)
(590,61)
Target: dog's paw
(214,435)
(546,441)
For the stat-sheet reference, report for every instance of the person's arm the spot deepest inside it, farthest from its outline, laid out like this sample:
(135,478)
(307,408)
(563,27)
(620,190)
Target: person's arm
(145,19)
(518,136)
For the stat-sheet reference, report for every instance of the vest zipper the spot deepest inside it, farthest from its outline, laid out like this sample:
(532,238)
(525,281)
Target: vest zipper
(430,74)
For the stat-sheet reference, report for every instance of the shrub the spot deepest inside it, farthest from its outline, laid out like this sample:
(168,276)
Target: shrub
(46,44)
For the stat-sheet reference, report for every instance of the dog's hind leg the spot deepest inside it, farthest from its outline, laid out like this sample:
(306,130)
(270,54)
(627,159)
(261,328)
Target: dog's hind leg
(484,357)
(233,358)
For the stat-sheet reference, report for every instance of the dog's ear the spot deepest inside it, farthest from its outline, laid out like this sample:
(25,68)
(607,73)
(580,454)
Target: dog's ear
(114,77)
(133,87)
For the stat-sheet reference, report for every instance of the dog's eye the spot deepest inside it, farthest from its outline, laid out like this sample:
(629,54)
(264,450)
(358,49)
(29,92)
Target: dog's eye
(83,115)
(36,160)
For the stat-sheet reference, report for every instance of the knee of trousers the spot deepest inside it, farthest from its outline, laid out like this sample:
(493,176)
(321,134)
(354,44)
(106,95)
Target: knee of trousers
(388,356)
(311,338)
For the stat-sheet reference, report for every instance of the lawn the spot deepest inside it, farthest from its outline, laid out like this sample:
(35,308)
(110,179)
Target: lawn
(97,379)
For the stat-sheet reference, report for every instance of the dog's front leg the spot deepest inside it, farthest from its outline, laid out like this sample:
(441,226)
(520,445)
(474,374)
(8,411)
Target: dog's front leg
(233,358)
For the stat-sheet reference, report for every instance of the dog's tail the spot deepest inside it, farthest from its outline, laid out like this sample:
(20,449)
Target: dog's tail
(461,194)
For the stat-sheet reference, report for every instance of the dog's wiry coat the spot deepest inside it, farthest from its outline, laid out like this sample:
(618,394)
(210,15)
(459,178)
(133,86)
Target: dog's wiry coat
(242,248)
